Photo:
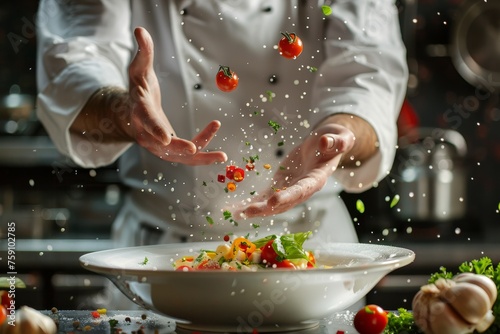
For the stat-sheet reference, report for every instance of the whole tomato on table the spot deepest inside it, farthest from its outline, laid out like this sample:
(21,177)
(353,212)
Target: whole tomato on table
(371,319)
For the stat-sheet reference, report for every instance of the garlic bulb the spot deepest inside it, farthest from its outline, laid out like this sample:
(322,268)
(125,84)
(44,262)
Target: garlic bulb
(29,321)
(457,306)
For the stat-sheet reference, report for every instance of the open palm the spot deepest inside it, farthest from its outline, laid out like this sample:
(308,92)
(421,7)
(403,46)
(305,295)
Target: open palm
(304,171)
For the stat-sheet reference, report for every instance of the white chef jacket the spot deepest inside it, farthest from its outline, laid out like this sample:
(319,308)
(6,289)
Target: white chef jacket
(361,69)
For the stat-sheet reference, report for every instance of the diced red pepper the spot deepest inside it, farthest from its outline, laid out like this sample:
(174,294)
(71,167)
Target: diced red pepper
(221,178)
(238,174)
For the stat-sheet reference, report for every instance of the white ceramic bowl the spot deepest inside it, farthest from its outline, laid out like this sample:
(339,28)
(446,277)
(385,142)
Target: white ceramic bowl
(266,300)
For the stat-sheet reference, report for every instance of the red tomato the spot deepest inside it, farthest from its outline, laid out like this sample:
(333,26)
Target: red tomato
(268,254)
(184,268)
(3,314)
(208,264)
(371,319)
(285,264)
(226,79)
(290,45)
(5,299)
(230,171)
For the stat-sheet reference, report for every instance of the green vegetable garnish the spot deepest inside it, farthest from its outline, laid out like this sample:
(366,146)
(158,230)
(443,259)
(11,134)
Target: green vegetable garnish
(401,322)
(274,125)
(113,323)
(288,246)
(209,220)
(394,201)
(327,10)
(145,261)
(360,206)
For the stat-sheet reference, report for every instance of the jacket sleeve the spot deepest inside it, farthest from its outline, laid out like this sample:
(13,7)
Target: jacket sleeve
(82,47)
(365,74)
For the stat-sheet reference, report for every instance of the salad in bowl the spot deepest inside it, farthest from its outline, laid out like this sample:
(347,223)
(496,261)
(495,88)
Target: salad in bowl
(273,251)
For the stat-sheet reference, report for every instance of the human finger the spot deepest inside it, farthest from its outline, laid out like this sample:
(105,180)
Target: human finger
(202,139)
(145,52)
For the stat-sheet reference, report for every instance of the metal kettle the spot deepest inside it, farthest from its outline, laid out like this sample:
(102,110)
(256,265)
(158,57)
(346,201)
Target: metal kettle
(430,177)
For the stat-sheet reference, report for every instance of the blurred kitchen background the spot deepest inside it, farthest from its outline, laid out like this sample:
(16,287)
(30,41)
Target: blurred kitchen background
(441,199)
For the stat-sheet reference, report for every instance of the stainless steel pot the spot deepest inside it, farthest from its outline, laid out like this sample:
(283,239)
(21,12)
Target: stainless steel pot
(430,177)
(475,46)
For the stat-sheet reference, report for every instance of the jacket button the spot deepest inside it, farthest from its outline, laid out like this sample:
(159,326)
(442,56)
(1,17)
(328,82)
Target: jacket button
(273,79)
(197,86)
(267,9)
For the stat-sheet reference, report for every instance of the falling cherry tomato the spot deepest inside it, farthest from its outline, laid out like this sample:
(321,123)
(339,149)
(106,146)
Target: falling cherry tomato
(290,45)
(371,319)
(226,79)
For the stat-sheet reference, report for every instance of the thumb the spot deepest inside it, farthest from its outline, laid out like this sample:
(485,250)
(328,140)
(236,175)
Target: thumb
(145,52)
(333,143)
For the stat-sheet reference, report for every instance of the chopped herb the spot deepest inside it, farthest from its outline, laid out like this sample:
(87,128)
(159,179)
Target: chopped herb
(282,167)
(313,69)
(281,143)
(252,192)
(204,183)
(327,10)
(145,261)
(255,225)
(247,143)
(360,206)
(226,190)
(113,323)
(227,215)
(200,257)
(270,95)
(209,220)
(274,125)
(394,201)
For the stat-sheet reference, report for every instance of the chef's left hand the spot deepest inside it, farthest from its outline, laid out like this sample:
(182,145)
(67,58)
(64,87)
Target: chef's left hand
(304,171)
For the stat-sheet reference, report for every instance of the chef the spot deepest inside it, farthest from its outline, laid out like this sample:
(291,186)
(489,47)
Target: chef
(135,81)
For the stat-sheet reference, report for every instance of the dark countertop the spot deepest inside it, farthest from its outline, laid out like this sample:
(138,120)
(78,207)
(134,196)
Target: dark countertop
(71,321)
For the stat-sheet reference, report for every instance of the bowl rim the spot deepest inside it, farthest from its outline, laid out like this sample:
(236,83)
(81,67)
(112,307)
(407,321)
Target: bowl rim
(404,257)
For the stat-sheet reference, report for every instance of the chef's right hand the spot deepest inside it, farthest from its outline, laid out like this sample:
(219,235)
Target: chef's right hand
(149,125)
